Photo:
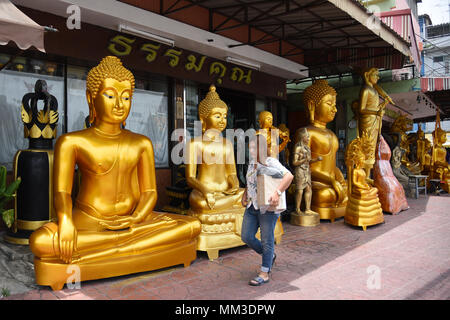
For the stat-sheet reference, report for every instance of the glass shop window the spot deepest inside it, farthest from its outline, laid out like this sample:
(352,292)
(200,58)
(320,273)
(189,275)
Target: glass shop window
(191,92)
(16,80)
(260,105)
(148,115)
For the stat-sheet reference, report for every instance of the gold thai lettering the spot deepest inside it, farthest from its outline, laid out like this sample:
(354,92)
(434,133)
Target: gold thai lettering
(237,74)
(174,56)
(152,49)
(123,42)
(191,65)
(217,68)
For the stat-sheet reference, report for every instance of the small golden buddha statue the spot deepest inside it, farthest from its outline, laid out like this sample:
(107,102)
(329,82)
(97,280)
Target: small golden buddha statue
(301,162)
(370,114)
(423,150)
(363,207)
(111,229)
(440,169)
(269,131)
(329,186)
(400,125)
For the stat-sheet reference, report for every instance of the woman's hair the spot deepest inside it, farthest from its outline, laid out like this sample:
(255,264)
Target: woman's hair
(109,67)
(261,145)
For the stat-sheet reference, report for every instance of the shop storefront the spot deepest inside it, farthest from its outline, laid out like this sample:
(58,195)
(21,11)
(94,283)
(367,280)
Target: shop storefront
(170,81)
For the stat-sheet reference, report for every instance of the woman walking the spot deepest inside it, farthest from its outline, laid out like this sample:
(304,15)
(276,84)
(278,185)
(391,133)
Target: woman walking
(260,216)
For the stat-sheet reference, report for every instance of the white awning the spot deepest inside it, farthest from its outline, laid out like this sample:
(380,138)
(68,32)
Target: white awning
(18,27)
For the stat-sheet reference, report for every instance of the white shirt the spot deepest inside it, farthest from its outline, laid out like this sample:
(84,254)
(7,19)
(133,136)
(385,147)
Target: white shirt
(252,182)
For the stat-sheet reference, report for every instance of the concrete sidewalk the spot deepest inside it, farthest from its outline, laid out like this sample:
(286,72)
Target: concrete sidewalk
(407,257)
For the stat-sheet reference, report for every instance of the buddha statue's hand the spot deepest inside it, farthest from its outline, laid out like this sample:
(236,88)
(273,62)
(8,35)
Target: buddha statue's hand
(119,223)
(210,199)
(233,184)
(67,239)
(340,191)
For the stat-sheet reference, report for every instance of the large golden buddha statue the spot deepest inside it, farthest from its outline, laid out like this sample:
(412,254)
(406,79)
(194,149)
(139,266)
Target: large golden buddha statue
(363,208)
(111,229)
(369,114)
(328,184)
(440,169)
(211,171)
(269,132)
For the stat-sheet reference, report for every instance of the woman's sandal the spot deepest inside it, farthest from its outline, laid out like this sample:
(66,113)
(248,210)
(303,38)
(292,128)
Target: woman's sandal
(257,281)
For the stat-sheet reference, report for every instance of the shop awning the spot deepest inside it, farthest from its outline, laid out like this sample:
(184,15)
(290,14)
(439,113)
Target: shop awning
(402,22)
(18,27)
(438,90)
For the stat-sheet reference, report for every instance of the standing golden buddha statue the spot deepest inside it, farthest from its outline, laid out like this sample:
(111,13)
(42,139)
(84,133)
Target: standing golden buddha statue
(111,229)
(440,169)
(363,207)
(423,147)
(370,114)
(328,184)
(269,131)
(211,171)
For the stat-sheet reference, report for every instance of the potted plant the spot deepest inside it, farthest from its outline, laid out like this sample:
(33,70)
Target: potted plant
(7,193)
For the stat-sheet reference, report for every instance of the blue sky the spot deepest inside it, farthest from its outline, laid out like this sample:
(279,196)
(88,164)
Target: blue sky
(438,10)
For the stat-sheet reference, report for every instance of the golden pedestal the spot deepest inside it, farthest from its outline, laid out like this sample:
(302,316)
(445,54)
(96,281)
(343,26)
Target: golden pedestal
(329,213)
(54,273)
(223,231)
(305,220)
(363,216)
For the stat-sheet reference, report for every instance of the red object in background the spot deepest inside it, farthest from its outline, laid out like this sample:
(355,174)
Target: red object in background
(390,191)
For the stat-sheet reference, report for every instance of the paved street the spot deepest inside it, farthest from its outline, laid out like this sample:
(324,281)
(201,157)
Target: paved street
(407,257)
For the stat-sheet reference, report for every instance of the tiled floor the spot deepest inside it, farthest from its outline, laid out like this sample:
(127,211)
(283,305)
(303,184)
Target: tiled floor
(407,257)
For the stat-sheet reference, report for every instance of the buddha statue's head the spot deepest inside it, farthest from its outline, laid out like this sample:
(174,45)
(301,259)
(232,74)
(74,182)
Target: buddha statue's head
(302,136)
(109,88)
(212,111)
(265,119)
(320,100)
(441,136)
(371,76)
(354,155)
(420,133)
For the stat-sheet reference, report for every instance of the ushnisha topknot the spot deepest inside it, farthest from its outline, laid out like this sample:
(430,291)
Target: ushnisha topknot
(317,91)
(212,100)
(109,67)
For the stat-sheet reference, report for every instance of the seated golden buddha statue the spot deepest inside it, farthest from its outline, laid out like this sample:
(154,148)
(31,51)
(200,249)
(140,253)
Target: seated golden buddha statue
(400,125)
(440,169)
(363,207)
(269,132)
(211,171)
(328,184)
(423,147)
(111,229)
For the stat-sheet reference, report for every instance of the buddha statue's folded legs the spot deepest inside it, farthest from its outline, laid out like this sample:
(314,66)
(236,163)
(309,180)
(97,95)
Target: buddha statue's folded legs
(325,202)
(157,232)
(199,203)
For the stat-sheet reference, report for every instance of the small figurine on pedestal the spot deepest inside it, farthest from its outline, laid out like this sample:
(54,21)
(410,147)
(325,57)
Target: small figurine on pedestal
(301,161)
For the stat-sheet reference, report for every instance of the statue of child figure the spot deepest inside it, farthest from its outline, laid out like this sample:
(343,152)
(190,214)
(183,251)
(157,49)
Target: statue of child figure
(301,161)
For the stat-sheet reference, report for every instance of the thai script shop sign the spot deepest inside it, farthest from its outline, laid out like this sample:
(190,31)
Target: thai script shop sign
(187,65)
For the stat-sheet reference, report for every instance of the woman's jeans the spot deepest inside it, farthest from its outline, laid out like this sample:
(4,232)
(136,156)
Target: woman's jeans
(253,220)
